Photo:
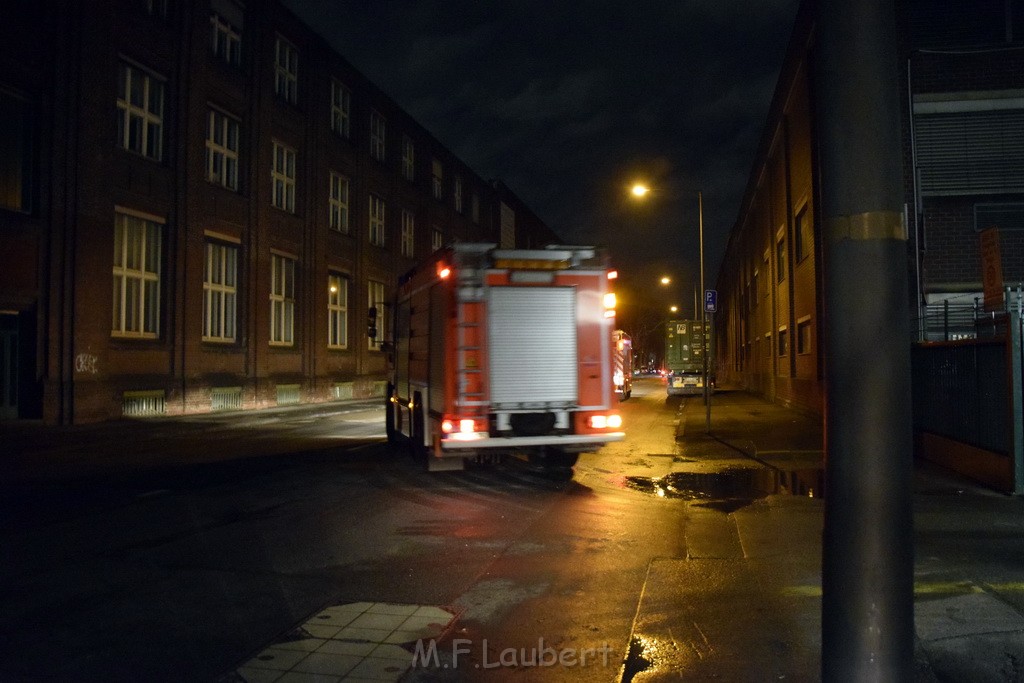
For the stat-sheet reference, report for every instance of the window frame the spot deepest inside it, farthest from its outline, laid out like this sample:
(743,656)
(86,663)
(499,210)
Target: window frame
(339,204)
(804,246)
(149,120)
(780,257)
(804,346)
(377,295)
(228,50)
(341,108)
(338,289)
(377,217)
(408,235)
(378,135)
(282,299)
(408,158)
(284,161)
(437,178)
(144,321)
(220,322)
(19,139)
(226,176)
(286,70)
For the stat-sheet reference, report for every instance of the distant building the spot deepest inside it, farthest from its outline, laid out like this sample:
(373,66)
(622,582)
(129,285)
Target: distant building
(962,68)
(199,203)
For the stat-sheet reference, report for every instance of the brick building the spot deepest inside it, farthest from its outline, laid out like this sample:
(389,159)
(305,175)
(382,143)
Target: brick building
(199,203)
(962,70)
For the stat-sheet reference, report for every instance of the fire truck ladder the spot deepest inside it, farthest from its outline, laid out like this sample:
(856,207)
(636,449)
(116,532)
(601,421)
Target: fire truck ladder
(471,292)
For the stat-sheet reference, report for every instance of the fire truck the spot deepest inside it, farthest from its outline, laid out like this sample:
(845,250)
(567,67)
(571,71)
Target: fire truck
(501,352)
(623,372)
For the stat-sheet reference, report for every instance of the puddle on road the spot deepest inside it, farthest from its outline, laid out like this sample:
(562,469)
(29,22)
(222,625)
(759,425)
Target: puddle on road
(734,487)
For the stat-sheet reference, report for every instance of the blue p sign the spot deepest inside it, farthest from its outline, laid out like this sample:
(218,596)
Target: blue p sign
(710,300)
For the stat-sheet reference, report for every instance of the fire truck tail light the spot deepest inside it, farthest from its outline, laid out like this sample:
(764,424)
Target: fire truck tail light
(613,421)
(443,271)
(464,429)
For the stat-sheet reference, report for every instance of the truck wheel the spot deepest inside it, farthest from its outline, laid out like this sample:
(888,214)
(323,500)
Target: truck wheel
(554,460)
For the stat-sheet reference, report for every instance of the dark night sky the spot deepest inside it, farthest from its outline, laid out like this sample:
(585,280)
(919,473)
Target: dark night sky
(568,103)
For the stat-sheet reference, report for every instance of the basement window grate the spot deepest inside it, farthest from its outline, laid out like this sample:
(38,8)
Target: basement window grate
(143,403)
(288,394)
(226,398)
(342,391)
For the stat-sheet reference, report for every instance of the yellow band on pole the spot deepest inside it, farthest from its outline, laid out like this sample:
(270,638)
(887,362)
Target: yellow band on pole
(873,225)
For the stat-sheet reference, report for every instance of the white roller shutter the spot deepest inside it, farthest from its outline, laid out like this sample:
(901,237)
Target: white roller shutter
(532,347)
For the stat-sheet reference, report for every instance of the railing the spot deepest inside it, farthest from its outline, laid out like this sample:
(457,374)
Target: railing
(965,317)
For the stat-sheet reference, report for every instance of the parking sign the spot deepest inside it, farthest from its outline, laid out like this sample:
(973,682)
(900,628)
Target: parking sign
(710,300)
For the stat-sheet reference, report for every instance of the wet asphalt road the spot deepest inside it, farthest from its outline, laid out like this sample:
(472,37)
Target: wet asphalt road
(242,529)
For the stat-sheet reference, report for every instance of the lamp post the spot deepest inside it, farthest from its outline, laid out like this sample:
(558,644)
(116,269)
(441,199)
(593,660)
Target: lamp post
(704,315)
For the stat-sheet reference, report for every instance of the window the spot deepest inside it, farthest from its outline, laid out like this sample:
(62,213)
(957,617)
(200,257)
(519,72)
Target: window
(803,235)
(378,299)
(474,206)
(969,144)
(408,232)
(436,239)
(376,220)
(803,335)
(16,135)
(220,292)
(341,108)
(408,159)
(282,300)
(283,177)
(136,271)
(437,173)
(458,194)
(337,311)
(222,150)
(783,342)
(339,203)
(378,128)
(226,39)
(140,109)
(780,257)
(286,71)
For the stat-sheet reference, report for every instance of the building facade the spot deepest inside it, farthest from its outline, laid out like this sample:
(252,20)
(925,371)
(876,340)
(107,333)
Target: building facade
(962,80)
(200,202)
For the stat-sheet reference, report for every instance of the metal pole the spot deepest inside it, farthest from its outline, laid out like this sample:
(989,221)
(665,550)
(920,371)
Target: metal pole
(867,550)
(703,316)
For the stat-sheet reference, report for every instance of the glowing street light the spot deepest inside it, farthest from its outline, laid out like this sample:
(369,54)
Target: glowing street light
(666,280)
(674,309)
(640,190)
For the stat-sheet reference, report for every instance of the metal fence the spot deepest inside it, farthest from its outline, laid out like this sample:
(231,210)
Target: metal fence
(965,317)
(960,392)
(969,391)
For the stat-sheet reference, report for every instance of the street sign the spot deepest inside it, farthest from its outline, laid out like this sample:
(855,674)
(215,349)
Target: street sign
(710,300)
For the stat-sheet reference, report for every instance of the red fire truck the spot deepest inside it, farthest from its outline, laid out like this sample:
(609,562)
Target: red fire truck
(504,351)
